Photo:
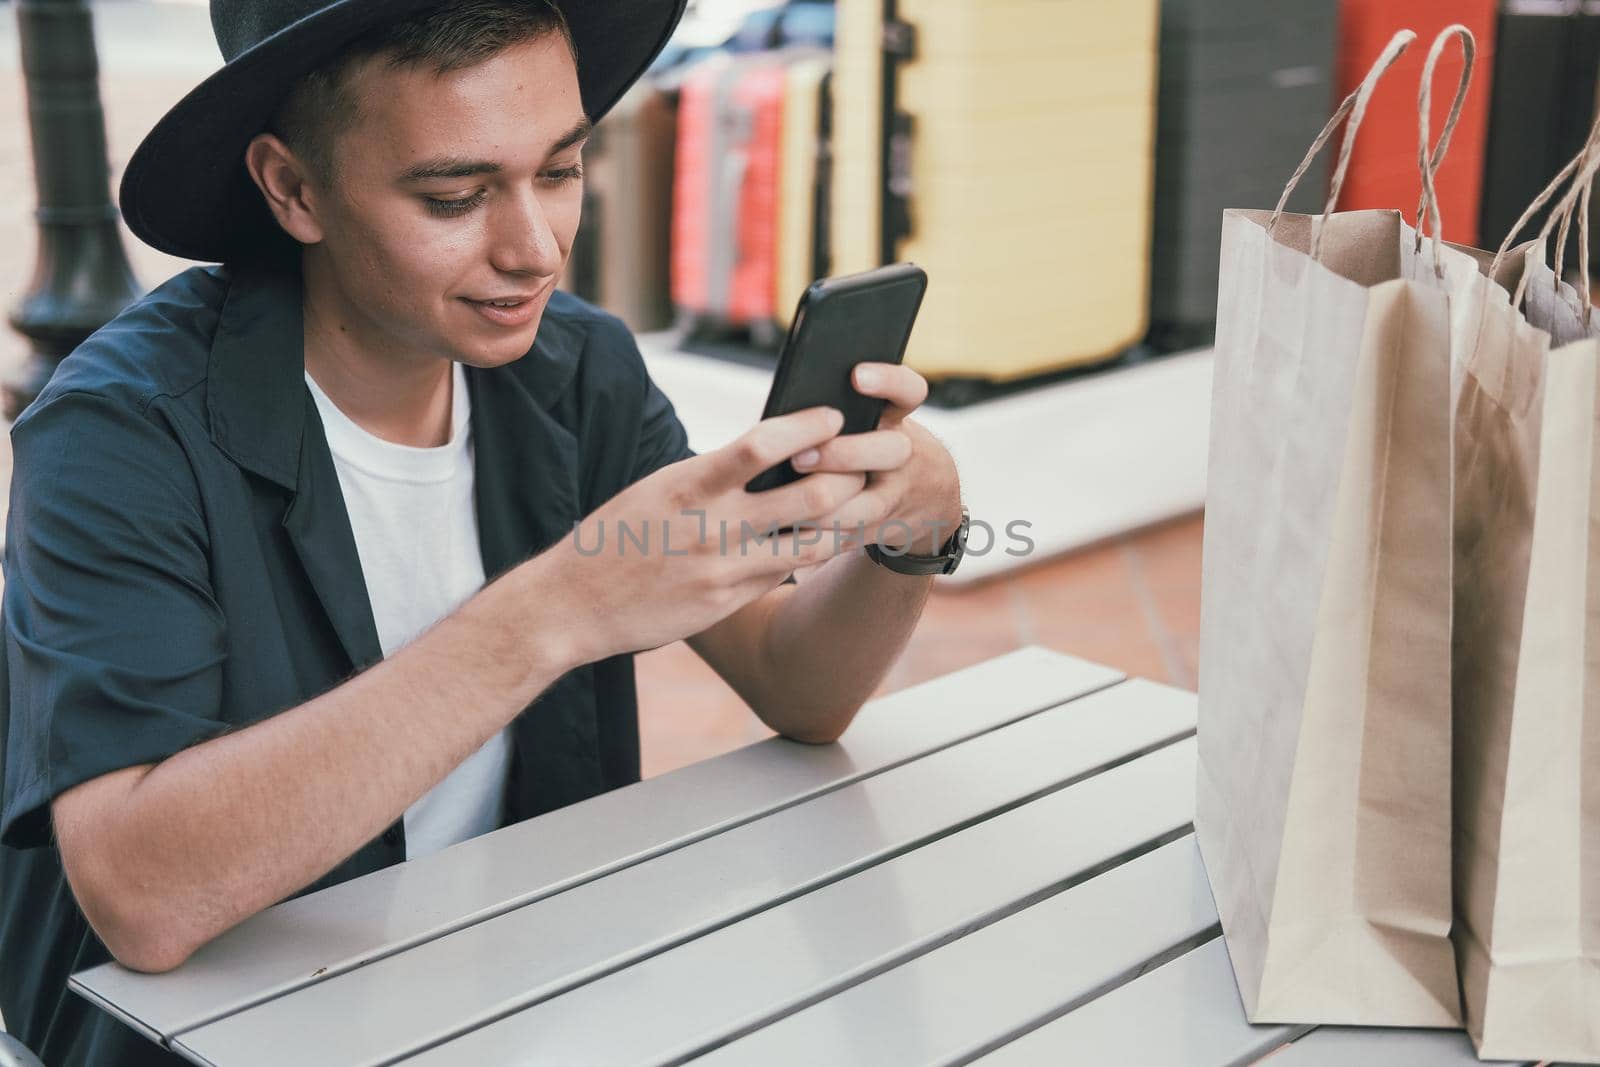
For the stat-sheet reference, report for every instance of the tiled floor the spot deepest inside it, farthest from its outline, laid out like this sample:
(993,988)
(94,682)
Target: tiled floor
(1132,603)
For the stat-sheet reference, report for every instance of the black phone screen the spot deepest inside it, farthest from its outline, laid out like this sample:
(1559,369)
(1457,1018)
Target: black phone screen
(841,322)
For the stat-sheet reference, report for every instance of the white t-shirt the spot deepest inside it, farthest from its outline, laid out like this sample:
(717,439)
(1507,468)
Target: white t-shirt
(416,533)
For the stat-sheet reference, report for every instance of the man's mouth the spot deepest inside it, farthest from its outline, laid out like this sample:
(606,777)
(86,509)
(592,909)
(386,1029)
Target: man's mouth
(514,310)
(506,301)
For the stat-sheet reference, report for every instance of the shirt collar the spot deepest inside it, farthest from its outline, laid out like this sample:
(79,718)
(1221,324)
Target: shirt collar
(256,386)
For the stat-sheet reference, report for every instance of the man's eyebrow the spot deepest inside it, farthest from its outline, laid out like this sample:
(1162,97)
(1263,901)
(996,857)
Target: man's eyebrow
(447,167)
(460,167)
(577,135)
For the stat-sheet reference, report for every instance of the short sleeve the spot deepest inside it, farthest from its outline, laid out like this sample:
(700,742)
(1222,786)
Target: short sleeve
(114,643)
(662,438)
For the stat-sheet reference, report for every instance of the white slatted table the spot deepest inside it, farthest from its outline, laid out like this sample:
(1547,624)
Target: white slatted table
(996,866)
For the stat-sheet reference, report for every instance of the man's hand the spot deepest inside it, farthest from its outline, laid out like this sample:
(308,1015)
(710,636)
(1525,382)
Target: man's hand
(807,659)
(686,547)
(910,475)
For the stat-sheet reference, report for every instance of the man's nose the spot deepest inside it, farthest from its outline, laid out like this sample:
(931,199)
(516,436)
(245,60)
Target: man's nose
(522,239)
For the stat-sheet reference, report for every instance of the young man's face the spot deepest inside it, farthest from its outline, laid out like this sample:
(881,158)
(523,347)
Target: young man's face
(452,191)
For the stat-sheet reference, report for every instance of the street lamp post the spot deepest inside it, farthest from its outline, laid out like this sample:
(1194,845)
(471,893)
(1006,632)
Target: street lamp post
(81,277)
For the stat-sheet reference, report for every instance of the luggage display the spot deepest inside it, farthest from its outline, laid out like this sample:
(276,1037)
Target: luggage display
(1383,171)
(1006,147)
(621,256)
(1545,72)
(1243,85)
(745,209)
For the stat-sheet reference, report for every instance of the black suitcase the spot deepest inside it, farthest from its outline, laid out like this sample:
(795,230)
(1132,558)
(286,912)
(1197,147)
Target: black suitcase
(1244,87)
(1546,66)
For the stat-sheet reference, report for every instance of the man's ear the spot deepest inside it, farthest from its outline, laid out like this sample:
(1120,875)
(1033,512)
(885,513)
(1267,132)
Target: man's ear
(290,192)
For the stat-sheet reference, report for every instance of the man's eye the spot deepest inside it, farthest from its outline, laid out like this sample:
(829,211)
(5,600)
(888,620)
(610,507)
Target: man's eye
(565,175)
(448,208)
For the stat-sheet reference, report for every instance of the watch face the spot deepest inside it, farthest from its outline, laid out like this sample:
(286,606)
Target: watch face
(958,543)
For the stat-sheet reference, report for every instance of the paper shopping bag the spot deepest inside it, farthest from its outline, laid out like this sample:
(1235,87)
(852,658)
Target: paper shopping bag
(1527,683)
(1323,808)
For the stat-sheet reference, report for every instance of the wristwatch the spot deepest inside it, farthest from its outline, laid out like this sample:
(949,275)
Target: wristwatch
(948,558)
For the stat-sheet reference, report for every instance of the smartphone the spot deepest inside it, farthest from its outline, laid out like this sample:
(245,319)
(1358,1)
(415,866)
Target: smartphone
(859,318)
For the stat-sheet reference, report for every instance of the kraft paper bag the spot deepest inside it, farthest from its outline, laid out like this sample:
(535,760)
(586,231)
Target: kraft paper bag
(1527,682)
(1323,806)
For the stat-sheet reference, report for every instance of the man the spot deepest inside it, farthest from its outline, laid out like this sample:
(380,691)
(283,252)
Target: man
(293,589)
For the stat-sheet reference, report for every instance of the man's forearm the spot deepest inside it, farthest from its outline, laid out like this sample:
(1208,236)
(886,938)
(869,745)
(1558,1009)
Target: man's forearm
(178,852)
(832,641)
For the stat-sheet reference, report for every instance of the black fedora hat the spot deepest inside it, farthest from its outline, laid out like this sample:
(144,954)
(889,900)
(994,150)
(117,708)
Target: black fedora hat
(186,190)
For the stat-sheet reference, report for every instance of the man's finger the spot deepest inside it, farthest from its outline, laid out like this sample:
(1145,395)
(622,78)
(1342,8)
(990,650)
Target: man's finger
(878,450)
(803,546)
(901,386)
(770,442)
(855,523)
(805,500)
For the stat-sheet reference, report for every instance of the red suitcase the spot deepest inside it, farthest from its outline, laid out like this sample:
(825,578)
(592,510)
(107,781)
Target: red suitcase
(725,206)
(1383,168)
(691,183)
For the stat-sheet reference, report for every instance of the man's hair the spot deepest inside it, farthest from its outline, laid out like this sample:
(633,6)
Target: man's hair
(322,105)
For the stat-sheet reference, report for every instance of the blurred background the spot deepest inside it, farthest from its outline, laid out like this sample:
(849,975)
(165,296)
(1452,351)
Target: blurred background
(1059,167)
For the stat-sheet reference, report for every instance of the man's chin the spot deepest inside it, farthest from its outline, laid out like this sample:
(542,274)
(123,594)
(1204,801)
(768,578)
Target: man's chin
(510,346)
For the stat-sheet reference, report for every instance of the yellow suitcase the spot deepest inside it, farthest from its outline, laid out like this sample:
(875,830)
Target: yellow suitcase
(1012,159)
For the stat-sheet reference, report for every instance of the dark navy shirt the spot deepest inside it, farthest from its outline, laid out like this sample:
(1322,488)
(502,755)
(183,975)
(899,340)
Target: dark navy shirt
(179,563)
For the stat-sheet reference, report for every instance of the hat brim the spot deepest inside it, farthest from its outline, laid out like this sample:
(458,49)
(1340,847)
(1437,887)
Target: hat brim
(186,190)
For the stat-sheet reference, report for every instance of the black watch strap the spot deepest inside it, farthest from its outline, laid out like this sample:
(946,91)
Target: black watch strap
(945,562)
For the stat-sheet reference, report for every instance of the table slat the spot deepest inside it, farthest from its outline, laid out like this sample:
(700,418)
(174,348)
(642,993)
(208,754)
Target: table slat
(1184,1014)
(317,937)
(1187,1013)
(1342,1046)
(667,1008)
(379,1011)
(960,1000)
